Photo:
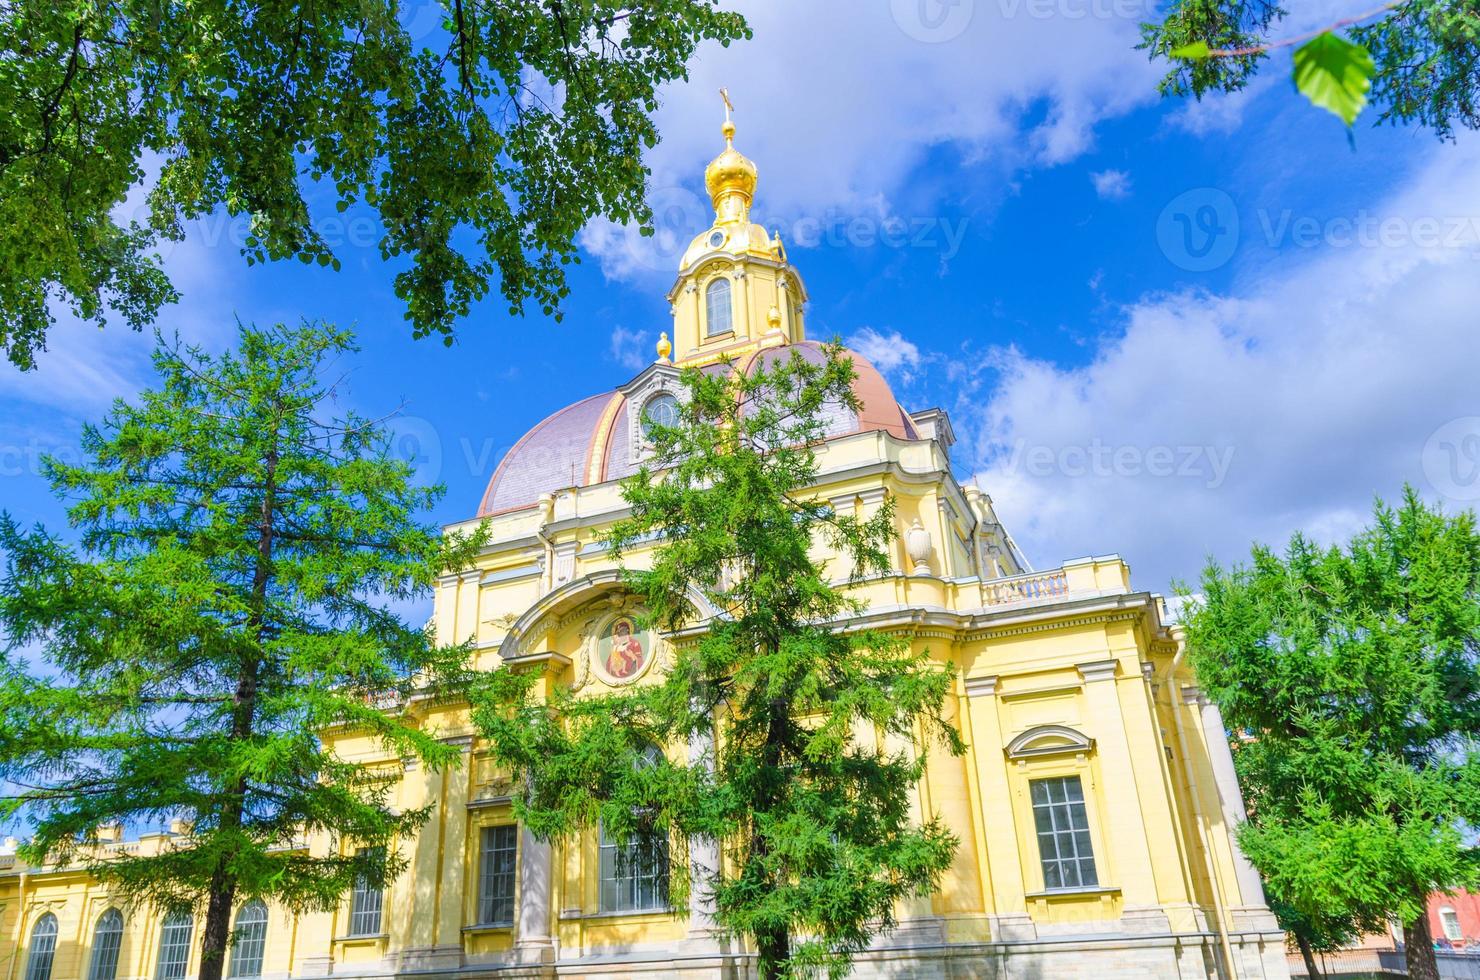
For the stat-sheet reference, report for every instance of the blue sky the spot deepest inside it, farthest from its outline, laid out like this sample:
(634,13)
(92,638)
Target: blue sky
(1161,329)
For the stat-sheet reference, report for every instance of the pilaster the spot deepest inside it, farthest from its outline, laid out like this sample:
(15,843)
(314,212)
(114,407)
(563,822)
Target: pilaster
(995,812)
(1130,851)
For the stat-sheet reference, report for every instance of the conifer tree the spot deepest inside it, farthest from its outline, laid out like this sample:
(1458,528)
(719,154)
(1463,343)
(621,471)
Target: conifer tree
(227,595)
(808,736)
(1355,673)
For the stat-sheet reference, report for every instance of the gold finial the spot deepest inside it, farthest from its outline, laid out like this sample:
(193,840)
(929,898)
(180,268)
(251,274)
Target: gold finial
(664,347)
(730,177)
(729,127)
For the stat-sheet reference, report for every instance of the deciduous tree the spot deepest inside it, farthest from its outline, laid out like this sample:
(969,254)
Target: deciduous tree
(483,134)
(1351,674)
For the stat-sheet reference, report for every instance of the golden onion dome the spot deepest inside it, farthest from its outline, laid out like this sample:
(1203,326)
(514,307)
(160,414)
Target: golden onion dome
(730,174)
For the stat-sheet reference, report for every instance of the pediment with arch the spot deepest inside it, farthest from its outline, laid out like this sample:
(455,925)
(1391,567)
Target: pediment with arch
(595,625)
(1049,740)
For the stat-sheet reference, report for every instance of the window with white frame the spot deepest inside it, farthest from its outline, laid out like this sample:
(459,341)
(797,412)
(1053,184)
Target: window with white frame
(1063,833)
(250,942)
(107,939)
(365,904)
(1449,919)
(717,317)
(43,948)
(661,409)
(634,870)
(174,946)
(497,857)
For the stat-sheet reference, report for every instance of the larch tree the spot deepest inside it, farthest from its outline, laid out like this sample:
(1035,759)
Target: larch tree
(1353,677)
(481,135)
(228,593)
(1415,60)
(810,735)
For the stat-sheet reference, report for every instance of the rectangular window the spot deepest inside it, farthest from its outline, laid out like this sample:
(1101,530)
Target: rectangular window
(1063,833)
(364,909)
(634,873)
(496,860)
(1449,919)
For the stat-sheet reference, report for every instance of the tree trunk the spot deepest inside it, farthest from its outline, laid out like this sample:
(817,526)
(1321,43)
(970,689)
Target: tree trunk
(216,936)
(772,946)
(1311,970)
(775,950)
(1422,965)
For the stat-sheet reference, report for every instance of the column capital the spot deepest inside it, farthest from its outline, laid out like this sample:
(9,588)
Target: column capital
(981,687)
(1097,670)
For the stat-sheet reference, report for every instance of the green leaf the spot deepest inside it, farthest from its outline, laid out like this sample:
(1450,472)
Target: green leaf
(1196,51)
(1334,74)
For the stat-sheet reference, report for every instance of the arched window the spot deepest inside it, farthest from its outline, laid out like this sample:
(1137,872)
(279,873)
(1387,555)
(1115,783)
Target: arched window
(174,946)
(717,307)
(634,871)
(43,948)
(107,938)
(250,940)
(661,409)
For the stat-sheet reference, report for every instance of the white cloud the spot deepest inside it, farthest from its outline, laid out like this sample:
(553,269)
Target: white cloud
(84,367)
(1286,404)
(627,348)
(890,353)
(1219,112)
(1111,185)
(838,102)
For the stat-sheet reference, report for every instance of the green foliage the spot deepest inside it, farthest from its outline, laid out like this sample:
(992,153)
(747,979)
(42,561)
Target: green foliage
(1415,59)
(1334,75)
(1427,52)
(1193,27)
(817,733)
(226,601)
(483,145)
(1354,674)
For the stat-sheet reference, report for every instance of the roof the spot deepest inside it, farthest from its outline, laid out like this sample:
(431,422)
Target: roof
(586,443)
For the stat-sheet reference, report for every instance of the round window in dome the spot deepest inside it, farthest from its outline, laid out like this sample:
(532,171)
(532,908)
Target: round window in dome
(717,239)
(659,410)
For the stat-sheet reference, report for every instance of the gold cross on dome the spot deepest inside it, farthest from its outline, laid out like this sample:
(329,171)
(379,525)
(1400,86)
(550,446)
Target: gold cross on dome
(724,94)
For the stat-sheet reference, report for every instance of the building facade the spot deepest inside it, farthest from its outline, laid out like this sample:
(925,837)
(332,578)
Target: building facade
(1094,804)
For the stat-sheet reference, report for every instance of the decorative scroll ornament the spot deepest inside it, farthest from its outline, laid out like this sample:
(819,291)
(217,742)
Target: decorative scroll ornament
(584,654)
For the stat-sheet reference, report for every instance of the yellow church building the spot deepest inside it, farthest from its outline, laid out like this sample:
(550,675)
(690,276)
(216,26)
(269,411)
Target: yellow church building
(1094,805)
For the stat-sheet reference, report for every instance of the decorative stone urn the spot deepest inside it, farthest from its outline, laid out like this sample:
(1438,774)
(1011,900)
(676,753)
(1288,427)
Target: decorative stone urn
(917,546)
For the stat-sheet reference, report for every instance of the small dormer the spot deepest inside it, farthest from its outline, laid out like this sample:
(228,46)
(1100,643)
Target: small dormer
(934,423)
(652,396)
